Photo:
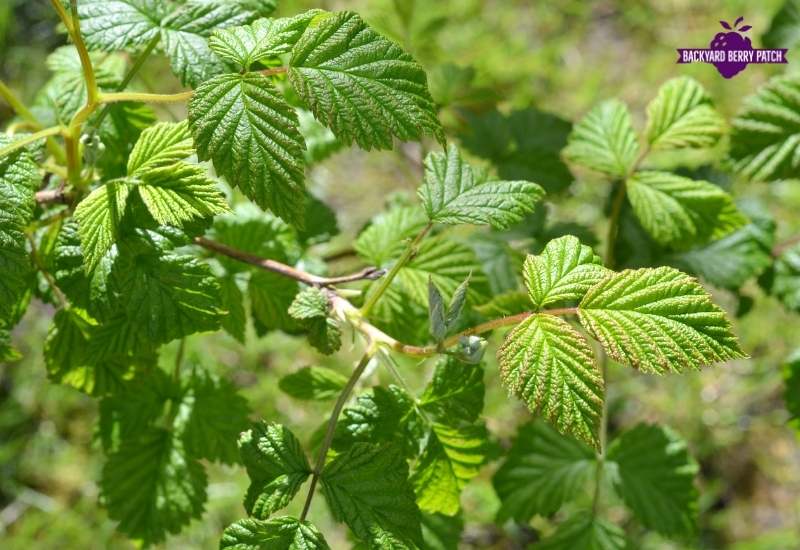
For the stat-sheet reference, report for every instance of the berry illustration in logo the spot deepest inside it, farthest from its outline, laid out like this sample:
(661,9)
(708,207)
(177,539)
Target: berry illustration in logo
(730,41)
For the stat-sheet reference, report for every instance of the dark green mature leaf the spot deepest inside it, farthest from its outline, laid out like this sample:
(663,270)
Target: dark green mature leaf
(544,470)
(551,367)
(367,488)
(680,212)
(313,384)
(655,477)
(247,129)
(783,279)
(18,180)
(98,217)
(361,85)
(682,115)
(119,24)
(766,132)
(152,487)
(281,533)
(604,140)
(456,391)
(784,30)
(235,321)
(454,193)
(212,416)
(276,466)
(564,271)
(657,320)
(162,144)
(270,297)
(587,532)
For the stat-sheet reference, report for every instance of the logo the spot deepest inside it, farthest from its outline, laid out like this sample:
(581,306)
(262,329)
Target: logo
(730,52)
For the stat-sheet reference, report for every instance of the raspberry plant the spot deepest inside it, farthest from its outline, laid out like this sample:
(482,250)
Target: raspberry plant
(142,232)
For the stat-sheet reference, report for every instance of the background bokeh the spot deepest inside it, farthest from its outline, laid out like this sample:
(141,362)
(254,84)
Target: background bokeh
(560,57)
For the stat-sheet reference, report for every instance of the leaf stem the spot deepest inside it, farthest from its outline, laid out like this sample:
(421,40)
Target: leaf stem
(331,429)
(409,252)
(27,140)
(115,97)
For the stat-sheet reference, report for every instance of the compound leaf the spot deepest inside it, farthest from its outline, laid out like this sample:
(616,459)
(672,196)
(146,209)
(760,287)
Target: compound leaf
(281,533)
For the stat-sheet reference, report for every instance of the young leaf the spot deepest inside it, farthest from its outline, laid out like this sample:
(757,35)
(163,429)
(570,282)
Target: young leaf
(456,391)
(98,217)
(681,115)
(680,212)
(453,193)
(160,145)
(361,85)
(281,533)
(249,131)
(551,367)
(436,314)
(604,140)
(313,384)
(564,271)
(543,471)
(655,477)
(383,240)
(311,303)
(276,466)
(152,487)
(587,531)
(657,320)
(310,307)
(119,24)
(367,488)
(765,142)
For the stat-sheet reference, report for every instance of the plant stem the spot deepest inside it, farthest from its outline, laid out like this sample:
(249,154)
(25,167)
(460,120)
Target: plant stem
(18,106)
(410,250)
(330,430)
(176,372)
(273,71)
(613,222)
(92,90)
(114,97)
(27,140)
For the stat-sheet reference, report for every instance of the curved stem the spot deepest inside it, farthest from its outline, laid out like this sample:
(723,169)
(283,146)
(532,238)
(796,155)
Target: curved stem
(331,429)
(410,250)
(114,97)
(27,140)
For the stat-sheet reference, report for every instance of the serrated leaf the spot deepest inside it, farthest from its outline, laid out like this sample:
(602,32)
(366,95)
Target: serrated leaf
(111,25)
(310,303)
(451,457)
(682,115)
(152,487)
(281,533)
(361,85)
(212,416)
(452,193)
(440,532)
(564,271)
(679,212)
(276,465)
(247,129)
(456,391)
(550,366)
(604,140)
(783,279)
(765,141)
(313,384)
(655,477)
(264,38)
(657,320)
(270,297)
(586,531)
(232,300)
(383,240)
(162,144)
(543,471)
(367,488)
(98,217)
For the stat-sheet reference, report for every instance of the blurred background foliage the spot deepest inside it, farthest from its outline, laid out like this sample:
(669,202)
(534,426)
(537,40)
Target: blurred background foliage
(500,69)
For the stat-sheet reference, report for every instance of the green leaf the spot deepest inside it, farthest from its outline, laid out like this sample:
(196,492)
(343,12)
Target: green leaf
(436,314)
(550,366)
(383,240)
(543,471)
(783,279)
(679,212)
(313,384)
(367,488)
(361,85)
(453,193)
(682,115)
(98,217)
(271,295)
(505,304)
(604,140)
(111,25)
(152,487)
(587,532)
(8,353)
(212,416)
(791,390)
(440,532)
(456,391)
(564,271)
(235,321)
(247,129)
(657,320)
(765,142)
(264,38)
(18,179)
(310,307)
(784,29)
(451,457)
(163,144)
(281,533)
(276,465)
(655,477)
(310,303)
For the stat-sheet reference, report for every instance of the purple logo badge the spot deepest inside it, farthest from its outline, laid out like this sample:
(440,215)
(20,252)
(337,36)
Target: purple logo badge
(730,52)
